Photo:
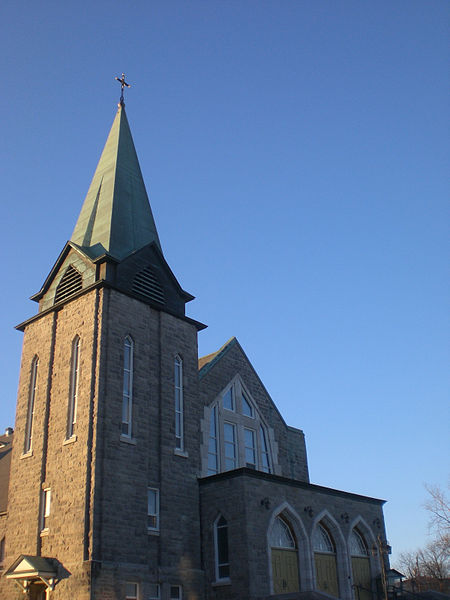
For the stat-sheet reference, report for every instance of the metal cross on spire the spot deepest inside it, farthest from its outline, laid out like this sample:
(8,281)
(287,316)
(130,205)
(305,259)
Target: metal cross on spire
(123,84)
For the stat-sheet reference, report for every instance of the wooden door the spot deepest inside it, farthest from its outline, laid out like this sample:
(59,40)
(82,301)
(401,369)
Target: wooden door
(285,571)
(361,577)
(326,573)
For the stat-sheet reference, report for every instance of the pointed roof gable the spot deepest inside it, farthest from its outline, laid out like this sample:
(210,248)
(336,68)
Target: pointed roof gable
(116,217)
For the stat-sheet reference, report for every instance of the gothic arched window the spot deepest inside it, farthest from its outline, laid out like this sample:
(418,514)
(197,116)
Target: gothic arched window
(73,388)
(221,548)
(127,393)
(30,408)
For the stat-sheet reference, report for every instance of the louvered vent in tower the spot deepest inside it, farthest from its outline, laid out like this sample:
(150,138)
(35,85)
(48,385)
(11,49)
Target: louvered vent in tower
(146,283)
(70,283)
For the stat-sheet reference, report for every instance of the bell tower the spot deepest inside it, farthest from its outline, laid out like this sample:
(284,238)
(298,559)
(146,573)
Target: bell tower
(103,495)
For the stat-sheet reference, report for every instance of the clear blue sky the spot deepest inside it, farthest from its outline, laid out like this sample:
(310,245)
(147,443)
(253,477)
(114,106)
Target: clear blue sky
(295,155)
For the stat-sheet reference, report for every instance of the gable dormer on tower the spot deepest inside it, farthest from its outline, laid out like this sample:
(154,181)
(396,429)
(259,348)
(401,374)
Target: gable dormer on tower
(115,240)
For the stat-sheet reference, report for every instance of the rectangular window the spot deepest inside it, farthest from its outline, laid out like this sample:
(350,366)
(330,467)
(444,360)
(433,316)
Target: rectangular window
(154,591)
(179,425)
(265,464)
(213,457)
(250,448)
(30,410)
(153,509)
(229,437)
(45,509)
(127,394)
(176,592)
(73,388)
(131,591)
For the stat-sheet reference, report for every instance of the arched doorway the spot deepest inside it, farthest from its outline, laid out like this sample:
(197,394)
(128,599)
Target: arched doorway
(284,558)
(325,561)
(359,553)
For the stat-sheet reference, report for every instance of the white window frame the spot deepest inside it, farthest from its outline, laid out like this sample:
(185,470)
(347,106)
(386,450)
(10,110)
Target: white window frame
(73,387)
(156,513)
(136,595)
(127,398)
(46,503)
(179,406)
(28,441)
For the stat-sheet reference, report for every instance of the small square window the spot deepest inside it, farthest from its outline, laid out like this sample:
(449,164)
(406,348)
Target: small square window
(154,591)
(175,592)
(131,591)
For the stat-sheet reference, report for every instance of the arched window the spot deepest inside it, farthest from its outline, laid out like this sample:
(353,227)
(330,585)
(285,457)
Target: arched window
(73,388)
(358,546)
(280,535)
(322,541)
(127,394)
(221,548)
(30,408)
(179,408)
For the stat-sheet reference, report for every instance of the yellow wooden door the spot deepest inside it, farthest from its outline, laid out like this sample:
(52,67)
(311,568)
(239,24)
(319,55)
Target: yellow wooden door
(326,573)
(285,571)
(361,577)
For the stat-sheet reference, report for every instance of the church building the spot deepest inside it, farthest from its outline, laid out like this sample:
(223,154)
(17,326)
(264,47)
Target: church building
(136,470)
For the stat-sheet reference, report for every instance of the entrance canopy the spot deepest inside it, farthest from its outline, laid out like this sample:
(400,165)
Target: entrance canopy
(27,570)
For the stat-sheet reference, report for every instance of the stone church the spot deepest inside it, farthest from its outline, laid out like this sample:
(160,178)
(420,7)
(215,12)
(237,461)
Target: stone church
(136,470)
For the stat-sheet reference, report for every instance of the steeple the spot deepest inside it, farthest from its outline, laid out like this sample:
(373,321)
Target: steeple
(116,217)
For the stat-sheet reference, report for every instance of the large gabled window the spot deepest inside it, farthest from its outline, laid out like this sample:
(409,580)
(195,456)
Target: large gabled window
(127,393)
(238,435)
(179,407)
(30,409)
(73,387)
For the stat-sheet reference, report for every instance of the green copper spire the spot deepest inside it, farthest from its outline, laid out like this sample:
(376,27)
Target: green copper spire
(116,216)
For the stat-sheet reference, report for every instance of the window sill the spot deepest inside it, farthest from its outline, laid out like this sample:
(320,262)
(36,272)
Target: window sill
(153,532)
(181,453)
(220,582)
(44,532)
(70,440)
(128,440)
(26,454)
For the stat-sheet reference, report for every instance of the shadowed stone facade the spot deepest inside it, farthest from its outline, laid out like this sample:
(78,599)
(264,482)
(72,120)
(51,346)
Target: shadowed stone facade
(139,471)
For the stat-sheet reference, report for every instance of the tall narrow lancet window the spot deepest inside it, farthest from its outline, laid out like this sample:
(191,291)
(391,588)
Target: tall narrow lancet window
(30,409)
(179,418)
(213,447)
(127,394)
(73,389)
(221,547)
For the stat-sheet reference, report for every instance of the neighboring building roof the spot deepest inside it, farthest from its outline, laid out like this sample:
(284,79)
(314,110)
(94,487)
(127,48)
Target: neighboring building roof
(210,359)
(116,217)
(6,442)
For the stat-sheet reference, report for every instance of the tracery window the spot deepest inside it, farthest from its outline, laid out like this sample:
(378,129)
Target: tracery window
(127,393)
(30,408)
(280,535)
(322,541)
(237,435)
(358,545)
